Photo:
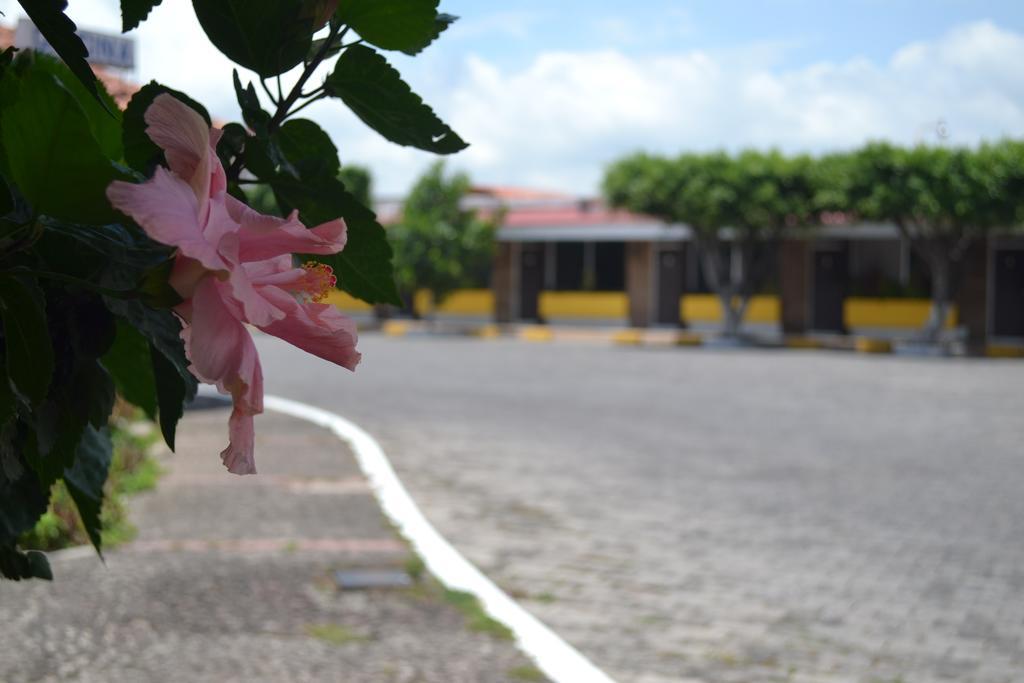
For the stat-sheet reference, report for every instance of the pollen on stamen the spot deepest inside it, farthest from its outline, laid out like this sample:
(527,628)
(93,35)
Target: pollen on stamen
(320,280)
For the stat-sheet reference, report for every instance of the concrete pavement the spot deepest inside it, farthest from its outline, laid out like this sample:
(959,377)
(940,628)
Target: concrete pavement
(230,579)
(716,515)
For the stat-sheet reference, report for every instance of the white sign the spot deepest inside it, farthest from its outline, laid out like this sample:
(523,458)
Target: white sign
(105,49)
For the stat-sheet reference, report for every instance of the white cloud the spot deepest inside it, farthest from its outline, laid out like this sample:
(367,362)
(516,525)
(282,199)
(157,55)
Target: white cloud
(556,121)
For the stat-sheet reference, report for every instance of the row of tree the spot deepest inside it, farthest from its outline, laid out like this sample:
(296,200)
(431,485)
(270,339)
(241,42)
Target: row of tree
(941,200)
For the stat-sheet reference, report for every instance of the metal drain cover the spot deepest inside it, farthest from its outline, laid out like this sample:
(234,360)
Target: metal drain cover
(366,579)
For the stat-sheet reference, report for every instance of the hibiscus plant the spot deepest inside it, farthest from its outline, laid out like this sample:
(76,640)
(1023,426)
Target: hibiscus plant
(130,261)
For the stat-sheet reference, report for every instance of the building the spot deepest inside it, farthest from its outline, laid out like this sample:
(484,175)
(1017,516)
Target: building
(560,258)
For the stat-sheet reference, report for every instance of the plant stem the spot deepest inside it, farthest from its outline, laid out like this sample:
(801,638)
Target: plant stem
(307,103)
(267,90)
(285,105)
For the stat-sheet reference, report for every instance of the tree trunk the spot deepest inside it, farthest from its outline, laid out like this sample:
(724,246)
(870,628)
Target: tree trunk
(941,290)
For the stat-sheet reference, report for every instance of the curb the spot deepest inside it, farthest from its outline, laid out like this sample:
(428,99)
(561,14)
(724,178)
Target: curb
(556,658)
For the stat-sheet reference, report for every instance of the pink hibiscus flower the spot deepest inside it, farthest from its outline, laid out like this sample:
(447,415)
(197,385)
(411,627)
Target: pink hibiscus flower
(233,266)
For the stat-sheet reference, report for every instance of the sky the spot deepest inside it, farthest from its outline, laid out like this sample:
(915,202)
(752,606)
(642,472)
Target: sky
(547,94)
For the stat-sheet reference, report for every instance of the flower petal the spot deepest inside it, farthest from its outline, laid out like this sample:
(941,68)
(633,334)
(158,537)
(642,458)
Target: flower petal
(182,133)
(320,329)
(167,210)
(264,237)
(221,349)
(239,456)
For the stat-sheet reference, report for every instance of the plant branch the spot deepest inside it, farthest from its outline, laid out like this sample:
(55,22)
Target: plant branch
(266,89)
(286,104)
(308,102)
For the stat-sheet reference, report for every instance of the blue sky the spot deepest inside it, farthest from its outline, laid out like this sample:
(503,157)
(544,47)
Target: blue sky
(549,92)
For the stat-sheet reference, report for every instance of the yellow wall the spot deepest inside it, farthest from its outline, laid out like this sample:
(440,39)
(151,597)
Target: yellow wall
(858,312)
(347,302)
(479,302)
(705,308)
(584,305)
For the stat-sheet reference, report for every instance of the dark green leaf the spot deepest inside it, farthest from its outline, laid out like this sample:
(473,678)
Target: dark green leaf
(407,25)
(18,565)
(266,36)
(59,31)
(308,149)
(231,143)
(128,362)
(140,152)
(85,480)
(49,144)
(172,391)
(155,288)
(441,25)
(175,384)
(363,267)
(134,11)
(29,351)
(249,103)
(372,89)
(22,501)
(6,198)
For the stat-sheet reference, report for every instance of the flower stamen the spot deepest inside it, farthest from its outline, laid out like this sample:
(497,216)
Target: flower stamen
(319,281)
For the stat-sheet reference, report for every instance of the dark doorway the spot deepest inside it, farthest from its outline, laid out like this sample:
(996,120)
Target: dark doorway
(1008,299)
(831,280)
(610,266)
(568,266)
(531,280)
(671,271)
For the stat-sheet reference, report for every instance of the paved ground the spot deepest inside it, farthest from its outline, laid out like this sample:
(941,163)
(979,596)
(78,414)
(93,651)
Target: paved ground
(716,515)
(230,579)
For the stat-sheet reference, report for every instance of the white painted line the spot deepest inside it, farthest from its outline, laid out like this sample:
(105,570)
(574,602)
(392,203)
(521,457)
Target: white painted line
(559,660)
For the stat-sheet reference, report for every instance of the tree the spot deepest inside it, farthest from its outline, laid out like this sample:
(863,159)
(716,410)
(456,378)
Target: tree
(439,245)
(744,202)
(358,182)
(941,200)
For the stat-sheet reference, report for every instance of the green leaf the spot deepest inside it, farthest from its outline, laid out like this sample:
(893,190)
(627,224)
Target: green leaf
(363,267)
(85,480)
(441,24)
(59,31)
(22,501)
(372,89)
(266,36)
(172,392)
(140,152)
(175,384)
(133,12)
(407,25)
(29,353)
(128,362)
(99,108)
(48,143)
(231,143)
(249,103)
(17,565)
(308,149)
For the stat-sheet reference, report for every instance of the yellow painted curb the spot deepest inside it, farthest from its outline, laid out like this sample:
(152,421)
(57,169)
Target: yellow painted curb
(628,337)
(688,339)
(804,343)
(1004,351)
(487,332)
(394,328)
(536,333)
(869,345)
